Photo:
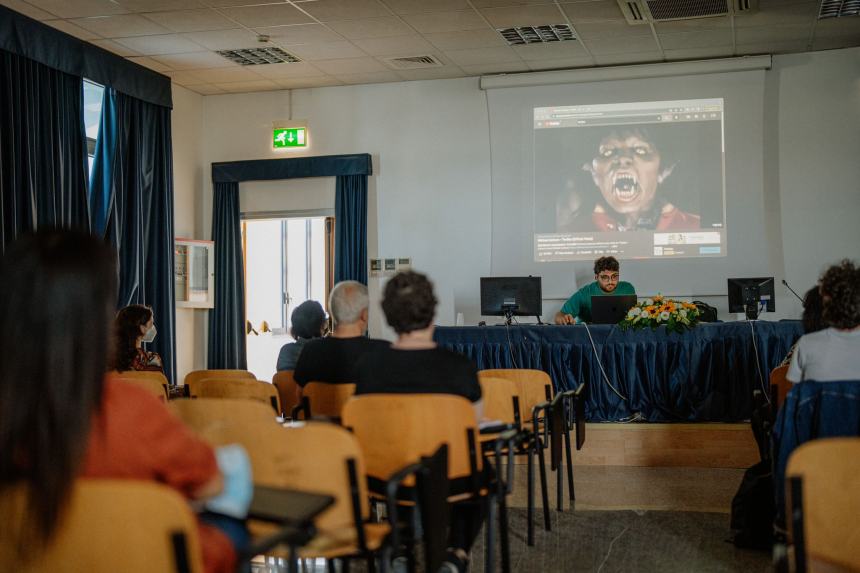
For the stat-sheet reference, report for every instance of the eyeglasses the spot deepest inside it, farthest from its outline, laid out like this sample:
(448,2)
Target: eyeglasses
(607,278)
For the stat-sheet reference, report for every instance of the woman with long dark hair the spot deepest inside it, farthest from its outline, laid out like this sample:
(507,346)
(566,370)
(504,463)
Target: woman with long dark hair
(133,326)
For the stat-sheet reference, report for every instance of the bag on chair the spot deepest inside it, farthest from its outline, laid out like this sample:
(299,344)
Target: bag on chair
(707,313)
(753,509)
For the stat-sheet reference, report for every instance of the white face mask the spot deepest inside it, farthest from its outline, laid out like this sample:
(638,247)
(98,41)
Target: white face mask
(150,334)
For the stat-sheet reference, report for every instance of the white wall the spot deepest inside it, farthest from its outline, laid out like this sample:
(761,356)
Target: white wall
(430,193)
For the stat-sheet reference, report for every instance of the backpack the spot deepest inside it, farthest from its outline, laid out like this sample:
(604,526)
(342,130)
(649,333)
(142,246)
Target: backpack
(707,313)
(753,509)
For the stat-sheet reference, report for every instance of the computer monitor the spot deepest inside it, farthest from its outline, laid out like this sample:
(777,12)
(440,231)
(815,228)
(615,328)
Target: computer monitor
(511,296)
(750,295)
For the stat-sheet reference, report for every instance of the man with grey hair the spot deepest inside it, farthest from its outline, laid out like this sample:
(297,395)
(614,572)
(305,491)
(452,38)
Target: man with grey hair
(333,359)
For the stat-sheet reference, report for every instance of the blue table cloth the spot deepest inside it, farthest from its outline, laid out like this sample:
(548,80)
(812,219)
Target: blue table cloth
(705,374)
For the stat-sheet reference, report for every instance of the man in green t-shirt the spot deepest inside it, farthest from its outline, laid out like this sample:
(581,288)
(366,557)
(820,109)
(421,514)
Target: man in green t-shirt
(606,274)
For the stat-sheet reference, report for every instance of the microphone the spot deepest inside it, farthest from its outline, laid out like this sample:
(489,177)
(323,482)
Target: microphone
(792,291)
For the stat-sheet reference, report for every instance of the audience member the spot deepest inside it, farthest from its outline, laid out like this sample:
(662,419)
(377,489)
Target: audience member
(332,359)
(60,418)
(308,322)
(833,353)
(133,326)
(811,318)
(413,364)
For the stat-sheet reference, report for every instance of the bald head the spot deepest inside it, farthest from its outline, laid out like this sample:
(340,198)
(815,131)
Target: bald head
(347,302)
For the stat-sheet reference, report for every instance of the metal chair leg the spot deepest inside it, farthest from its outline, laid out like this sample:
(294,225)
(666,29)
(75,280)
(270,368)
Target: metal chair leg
(569,464)
(531,496)
(543,487)
(489,556)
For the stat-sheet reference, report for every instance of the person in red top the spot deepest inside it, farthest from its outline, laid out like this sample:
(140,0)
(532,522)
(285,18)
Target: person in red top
(59,418)
(133,326)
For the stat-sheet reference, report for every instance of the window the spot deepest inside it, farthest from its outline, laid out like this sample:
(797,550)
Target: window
(93,97)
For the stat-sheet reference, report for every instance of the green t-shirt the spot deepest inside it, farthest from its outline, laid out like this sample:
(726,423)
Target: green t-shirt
(579,305)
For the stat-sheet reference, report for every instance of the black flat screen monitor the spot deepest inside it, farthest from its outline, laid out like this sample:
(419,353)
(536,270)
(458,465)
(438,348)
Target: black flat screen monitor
(755,291)
(611,309)
(521,294)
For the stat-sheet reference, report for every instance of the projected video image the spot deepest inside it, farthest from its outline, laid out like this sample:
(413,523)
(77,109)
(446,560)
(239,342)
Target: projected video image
(636,180)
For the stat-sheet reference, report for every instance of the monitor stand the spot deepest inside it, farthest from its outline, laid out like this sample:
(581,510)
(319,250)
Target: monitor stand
(509,310)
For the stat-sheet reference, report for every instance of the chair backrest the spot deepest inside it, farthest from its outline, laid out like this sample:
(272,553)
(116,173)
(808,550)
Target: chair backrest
(398,429)
(153,382)
(243,388)
(778,379)
(830,473)
(533,386)
(498,395)
(202,374)
(286,385)
(312,457)
(114,525)
(327,399)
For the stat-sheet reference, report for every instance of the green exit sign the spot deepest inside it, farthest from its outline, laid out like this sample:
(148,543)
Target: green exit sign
(289,137)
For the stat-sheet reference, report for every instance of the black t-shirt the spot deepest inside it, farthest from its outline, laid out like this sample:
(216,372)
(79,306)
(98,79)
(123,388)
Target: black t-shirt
(431,371)
(333,360)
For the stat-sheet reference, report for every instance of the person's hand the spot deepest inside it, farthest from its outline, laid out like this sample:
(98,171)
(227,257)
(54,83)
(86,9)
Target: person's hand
(564,318)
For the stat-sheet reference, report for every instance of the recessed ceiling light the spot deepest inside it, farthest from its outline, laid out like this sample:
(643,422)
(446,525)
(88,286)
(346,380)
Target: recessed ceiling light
(259,56)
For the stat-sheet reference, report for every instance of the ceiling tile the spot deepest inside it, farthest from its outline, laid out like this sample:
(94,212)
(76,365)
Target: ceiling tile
(524,16)
(833,27)
(149,63)
(191,20)
(700,39)
(158,45)
(225,75)
(834,42)
(224,39)
(560,63)
(369,78)
(442,73)
(267,15)
(300,34)
(329,10)
(370,28)
(628,59)
(114,47)
(416,6)
(772,34)
(714,23)
(351,66)
(184,78)
(502,3)
(553,50)
(480,56)
(486,38)
(600,10)
(27,9)
(396,46)
(156,5)
(72,30)
(700,53)
(501,68)
(627,45)
(206,89)
(609,29)
(249,86)
(120,26)
(194,61)
(781,15)
(327,51)
(299,83)
(770,48)
(79,8)
(446,21)
(289,71)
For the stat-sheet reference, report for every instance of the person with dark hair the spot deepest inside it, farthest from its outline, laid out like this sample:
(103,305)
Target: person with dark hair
(628,170)
(308,322)
(811,318)
(413,364)
(60,417)
(133,326)
(832,353)
(606,282)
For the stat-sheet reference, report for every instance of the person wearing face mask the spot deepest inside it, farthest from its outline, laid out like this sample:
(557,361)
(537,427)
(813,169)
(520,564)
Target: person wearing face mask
(133,326)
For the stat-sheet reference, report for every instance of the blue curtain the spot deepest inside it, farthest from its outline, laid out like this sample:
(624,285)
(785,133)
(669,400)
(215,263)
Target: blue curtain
(132,203)
(350,211)
(227,319)
(43,153)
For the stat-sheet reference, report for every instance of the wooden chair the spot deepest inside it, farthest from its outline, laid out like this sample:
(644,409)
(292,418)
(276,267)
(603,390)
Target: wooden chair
(823,499)
(287,390)
(326,400)
(202,374)
(153,382)
(316,457)
(113,525)
(246,389)
(779,385)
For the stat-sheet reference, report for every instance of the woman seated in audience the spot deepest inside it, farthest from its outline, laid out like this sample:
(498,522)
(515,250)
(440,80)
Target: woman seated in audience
(811,319)
(60,417)
(413,364)
(833,353)
(308,322)
(133,326)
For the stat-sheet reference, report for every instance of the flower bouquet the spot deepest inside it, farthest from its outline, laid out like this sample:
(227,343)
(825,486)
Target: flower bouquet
(674,314)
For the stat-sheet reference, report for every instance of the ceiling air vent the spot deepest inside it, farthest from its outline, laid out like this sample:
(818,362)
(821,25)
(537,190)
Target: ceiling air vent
(413,62)
(522,35)
(838,8)
(259,56)
(645,11)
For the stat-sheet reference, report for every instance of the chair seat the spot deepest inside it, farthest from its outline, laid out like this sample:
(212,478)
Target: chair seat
(328,544)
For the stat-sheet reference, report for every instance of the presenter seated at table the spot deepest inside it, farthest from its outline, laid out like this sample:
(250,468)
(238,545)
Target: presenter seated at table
(606,283)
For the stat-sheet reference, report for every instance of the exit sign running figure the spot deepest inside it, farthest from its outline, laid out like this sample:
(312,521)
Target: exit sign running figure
(289,137)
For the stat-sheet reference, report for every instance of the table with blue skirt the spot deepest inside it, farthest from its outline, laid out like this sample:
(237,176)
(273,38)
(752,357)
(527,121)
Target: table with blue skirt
(706,374)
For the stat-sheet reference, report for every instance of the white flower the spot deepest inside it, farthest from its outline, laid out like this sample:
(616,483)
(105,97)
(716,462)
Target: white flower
(635,311)
(683,313)
(664,316)
(648,302)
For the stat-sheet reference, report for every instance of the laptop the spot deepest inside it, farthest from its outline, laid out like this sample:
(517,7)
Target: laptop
(611,309)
